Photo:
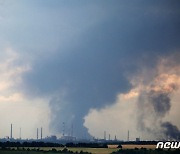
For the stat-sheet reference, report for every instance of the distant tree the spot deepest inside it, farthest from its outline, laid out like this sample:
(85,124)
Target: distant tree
(65,150)
(119,146)
(54,150)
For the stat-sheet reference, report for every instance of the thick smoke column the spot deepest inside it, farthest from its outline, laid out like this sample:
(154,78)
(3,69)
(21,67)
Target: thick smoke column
(97,45)
(155,101)
(160,102)
(171,130)
(75,84)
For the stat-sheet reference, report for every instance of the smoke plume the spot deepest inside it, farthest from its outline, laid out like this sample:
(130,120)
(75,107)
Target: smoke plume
(171,130)
(81,54)
(155,100)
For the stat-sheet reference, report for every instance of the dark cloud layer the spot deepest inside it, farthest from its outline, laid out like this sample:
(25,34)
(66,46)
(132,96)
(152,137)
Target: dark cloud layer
(90,71)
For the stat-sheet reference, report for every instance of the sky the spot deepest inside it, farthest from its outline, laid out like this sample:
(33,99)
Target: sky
(94,65)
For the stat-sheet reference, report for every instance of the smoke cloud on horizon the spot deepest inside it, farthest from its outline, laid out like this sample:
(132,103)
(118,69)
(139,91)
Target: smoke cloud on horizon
(92,71)
(155,102)
(84,54)
(149,109)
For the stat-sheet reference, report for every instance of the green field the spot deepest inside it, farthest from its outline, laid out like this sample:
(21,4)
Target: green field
(46,149)
(22,152)
(127,149)
(93,151)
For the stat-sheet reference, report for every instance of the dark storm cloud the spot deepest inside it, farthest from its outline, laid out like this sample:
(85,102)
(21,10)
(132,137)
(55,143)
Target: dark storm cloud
(90,71)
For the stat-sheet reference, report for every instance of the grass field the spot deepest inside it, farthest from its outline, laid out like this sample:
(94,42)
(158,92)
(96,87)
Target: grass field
(95,151)
(126,149)
(112,148)
(132,146)
(22,152)
(92,150)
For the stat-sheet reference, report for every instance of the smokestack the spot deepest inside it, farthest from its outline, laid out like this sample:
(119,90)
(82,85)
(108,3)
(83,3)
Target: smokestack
(41,133)
(20,133)
(11,132)
(109,137)
(128,136)
(72,130)
(63,128)
(104,135)
(115,138)
(37,133)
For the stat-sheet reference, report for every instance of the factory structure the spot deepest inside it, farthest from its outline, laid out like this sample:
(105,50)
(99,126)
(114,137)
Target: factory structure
(64,138)
(39,136)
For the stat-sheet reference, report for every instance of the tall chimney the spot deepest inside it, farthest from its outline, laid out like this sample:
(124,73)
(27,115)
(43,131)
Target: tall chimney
(63,128)
(20,133)
(115,138)
(41,133)
(104,135)
(11,131)
(72,130)
(37,133)
(128,136)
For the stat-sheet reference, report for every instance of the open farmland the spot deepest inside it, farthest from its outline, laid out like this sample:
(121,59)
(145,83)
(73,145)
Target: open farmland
(133,146)
(47,150)
(93,151)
